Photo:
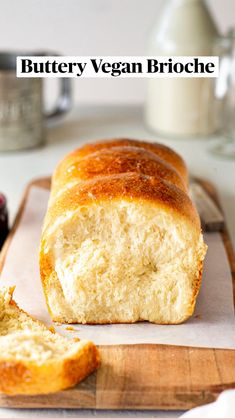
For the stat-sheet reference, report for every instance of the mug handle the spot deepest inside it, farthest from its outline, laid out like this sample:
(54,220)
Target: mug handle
(64,101)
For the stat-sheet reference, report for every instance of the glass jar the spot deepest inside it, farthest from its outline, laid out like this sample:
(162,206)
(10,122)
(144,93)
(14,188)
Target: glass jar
(182,106)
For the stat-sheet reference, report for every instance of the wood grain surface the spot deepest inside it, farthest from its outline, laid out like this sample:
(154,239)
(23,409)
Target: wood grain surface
(142,376)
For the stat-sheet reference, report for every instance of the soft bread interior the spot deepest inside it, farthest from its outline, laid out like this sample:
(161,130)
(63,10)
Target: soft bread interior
(25,339)
(12,319)
(37,347)
(123,261)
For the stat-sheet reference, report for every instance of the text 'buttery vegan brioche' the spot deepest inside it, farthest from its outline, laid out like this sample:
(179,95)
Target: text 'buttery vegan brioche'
(121,240)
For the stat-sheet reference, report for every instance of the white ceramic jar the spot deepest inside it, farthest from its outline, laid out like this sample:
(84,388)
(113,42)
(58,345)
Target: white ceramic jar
(182,106)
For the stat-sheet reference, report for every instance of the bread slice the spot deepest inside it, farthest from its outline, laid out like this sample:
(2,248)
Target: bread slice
(34,359)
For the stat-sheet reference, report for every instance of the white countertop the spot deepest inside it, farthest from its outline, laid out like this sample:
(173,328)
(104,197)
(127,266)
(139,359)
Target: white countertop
(92,123)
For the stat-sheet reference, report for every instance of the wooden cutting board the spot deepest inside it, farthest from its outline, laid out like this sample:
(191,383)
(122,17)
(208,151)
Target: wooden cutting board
(142,376)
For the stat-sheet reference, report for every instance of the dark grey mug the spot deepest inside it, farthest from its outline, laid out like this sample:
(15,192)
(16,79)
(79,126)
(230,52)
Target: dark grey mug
(22,118)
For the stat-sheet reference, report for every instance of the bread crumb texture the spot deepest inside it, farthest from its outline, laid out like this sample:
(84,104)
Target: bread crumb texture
(35,360)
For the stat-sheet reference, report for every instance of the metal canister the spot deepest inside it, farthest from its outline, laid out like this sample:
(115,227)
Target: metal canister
(22,119)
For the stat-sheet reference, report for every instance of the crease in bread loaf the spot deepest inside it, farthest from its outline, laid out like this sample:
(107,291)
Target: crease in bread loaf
(160,150)
(121,240)
(117,160)
(33,359)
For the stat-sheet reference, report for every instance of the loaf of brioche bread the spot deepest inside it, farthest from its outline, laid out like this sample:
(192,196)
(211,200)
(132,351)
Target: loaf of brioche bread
(36,360)
(121,240)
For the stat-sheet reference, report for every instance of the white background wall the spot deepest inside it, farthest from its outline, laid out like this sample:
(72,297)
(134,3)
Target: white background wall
(91,27)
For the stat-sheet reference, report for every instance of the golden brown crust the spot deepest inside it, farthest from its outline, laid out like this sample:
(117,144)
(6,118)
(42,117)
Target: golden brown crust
(165,153)
(29,378)
(117,160)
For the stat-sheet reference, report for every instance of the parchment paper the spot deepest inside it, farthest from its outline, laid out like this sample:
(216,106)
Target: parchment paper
(212,325)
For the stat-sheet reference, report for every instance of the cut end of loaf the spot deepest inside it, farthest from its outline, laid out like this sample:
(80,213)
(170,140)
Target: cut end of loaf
(122,261)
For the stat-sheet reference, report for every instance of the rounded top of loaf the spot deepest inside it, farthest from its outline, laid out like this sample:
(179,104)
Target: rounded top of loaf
(133,187)
(117,160)
(162,151)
